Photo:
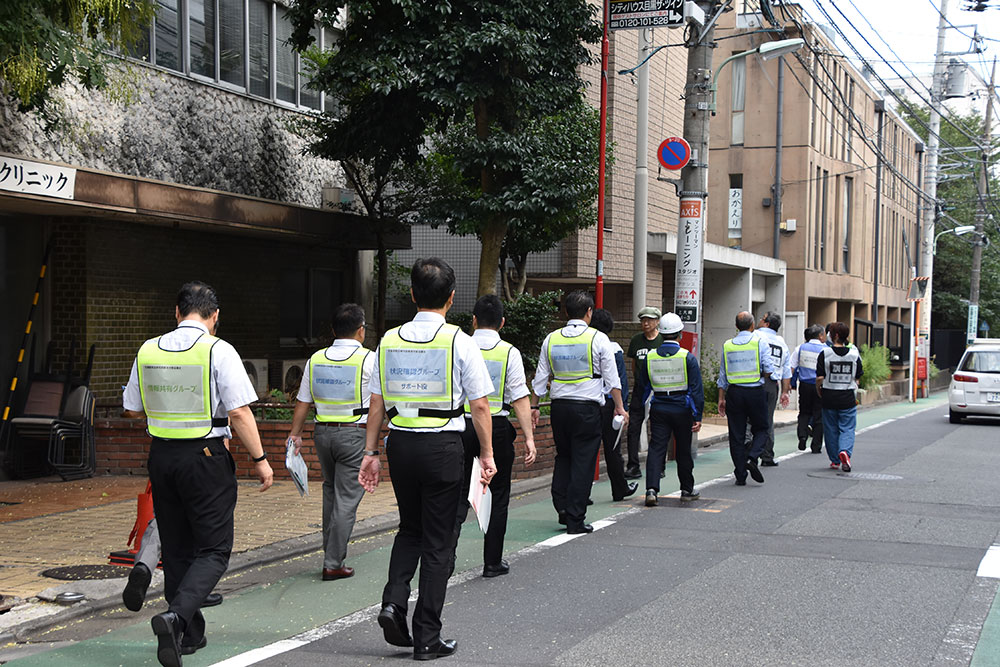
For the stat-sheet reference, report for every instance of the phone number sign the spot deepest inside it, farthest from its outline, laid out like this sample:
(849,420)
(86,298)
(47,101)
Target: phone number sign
(637,14)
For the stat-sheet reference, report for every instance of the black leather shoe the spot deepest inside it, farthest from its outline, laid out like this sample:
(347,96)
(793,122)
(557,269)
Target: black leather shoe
(687,496)
(754,471)
(633,473)
(562,518)
(631,489)
(189,648)
(768,464)
(503,567)
(741,482)
(580,530)
(212,600)
(802,445)
(393,623)
(135,590)
(167,628)
(442,648)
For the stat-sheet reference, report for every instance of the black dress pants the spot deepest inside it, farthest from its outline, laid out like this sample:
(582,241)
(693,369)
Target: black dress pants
(576,430)
(810,414)
(503,457)
(613,451)
(427,480)
(746,405)
(636,416)
(665,423)
(194,495)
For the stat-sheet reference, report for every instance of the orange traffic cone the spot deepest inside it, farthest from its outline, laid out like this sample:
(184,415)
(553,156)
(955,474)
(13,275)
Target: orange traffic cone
(144,513)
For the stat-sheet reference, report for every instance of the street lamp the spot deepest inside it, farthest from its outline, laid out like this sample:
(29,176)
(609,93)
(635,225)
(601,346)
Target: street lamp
(766,51)
(957,231)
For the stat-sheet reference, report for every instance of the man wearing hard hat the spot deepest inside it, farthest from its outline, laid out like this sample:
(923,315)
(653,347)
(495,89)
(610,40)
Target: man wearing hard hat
(678,401)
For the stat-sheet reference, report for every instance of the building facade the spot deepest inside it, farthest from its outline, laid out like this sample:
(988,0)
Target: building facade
(851,169)
(201,174)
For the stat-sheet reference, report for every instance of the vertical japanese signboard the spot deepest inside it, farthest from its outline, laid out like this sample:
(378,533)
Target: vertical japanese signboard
(735,213)
(637,14)
(687,278)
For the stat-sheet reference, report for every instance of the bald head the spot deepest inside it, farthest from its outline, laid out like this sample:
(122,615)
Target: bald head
(744,321)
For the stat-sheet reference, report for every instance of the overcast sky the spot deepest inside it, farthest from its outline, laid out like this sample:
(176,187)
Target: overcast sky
(910,29)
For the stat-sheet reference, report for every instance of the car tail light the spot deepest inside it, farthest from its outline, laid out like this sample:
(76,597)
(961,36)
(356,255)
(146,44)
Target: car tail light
(965,378)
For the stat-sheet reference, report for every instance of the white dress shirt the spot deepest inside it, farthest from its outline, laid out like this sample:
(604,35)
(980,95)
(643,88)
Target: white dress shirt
(592,389)
(229,383)
(470,379)
(516,385)
(774,340)
(342,349)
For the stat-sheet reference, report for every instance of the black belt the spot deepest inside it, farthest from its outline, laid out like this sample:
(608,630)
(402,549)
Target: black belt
(676,392)
(342,424)
(430,412)
(575,401)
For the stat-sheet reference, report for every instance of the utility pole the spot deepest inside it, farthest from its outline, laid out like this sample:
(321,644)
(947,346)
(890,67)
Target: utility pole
(977,249)
(641,203)
(880,111)
(779,137)
(930,183)
(689,260)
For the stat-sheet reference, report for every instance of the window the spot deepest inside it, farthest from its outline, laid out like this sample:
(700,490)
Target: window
(167,34)
(306,313)
(818,185)
(241,44)
(845,239)
(260,48)
(735,211)
(739,73)
(822,231)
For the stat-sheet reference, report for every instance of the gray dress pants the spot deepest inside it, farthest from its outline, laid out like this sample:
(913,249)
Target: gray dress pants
(340,450)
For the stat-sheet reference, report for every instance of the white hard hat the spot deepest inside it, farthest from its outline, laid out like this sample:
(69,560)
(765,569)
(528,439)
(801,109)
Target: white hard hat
(669,324)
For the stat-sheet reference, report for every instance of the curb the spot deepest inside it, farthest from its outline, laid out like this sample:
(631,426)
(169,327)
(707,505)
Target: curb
(297,546)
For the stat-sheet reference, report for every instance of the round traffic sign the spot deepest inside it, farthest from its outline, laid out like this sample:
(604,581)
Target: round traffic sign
(674,153)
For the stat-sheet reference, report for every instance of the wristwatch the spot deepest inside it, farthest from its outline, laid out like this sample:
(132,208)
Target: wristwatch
(262,457)
(369,452)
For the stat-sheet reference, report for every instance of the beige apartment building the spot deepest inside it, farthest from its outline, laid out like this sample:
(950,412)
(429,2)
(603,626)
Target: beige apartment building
(838,266)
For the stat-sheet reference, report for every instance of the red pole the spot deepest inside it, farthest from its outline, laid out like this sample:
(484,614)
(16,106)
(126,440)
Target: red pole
(605,54)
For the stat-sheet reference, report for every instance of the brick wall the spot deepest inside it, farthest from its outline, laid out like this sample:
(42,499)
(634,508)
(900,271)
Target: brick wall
(115,284)
(123,447)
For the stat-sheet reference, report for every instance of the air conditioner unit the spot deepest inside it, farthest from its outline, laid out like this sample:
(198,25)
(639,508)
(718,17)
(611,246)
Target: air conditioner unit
(257,370)
(291,374)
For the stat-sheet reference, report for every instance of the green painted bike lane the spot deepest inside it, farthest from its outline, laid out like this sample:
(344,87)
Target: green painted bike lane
(267,613)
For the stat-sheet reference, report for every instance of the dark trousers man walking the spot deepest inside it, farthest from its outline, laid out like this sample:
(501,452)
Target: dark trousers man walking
(576,430)
(746,405)
(810,418)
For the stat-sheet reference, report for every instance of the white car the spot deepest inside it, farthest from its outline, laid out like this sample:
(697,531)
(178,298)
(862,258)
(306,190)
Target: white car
(975,386)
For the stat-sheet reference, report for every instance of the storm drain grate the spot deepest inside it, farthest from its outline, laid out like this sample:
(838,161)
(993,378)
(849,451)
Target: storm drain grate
(86,572)
(876,476)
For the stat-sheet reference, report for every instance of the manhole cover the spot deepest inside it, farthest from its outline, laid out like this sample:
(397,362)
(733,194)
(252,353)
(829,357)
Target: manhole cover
(86,572)
(872,476)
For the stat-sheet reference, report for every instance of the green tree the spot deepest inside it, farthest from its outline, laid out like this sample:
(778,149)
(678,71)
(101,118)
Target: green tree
(43,43)
(494,68)
(959,195)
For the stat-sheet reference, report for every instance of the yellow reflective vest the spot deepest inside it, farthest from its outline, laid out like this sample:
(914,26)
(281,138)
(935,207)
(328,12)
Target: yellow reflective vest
(496,358)
(667,374)
(416,379)
(175,387)
(336,386)
(742,361)
(571,358)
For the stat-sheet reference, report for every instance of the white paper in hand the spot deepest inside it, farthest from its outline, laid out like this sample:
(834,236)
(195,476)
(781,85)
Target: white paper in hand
(296,466)
(479,496)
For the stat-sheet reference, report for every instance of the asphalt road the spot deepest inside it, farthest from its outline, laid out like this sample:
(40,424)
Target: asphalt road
(810,568)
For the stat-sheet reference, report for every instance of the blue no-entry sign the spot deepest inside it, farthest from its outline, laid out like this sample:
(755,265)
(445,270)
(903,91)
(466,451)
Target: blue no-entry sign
(674,153)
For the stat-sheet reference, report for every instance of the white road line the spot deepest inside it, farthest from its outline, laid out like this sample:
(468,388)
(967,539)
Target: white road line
(990,565)
(368,614)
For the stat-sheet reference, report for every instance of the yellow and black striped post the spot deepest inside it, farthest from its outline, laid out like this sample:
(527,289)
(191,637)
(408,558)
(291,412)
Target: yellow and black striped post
(24,339)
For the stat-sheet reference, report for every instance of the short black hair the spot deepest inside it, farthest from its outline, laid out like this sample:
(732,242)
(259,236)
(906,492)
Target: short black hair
(840,331)
(578,303)
(773,320)
(602,321)
(488,311)
(432,281)
(813,331)
(346,319)
(744,321)
(197,297)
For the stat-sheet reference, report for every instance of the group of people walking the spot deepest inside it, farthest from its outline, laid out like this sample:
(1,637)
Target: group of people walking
(446,397)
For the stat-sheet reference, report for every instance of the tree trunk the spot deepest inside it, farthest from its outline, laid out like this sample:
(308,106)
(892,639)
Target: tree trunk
(489,256)
(521,266)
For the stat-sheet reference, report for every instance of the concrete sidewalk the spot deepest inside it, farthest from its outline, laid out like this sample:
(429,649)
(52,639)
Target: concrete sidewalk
(48,523)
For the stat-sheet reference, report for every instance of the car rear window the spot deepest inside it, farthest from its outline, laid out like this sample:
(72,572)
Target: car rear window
(982,362)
